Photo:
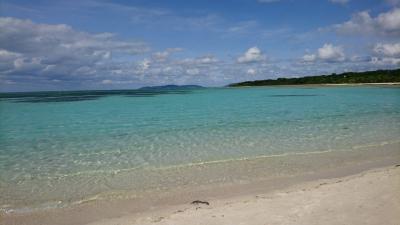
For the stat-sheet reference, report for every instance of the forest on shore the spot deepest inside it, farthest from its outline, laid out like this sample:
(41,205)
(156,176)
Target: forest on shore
(378,76)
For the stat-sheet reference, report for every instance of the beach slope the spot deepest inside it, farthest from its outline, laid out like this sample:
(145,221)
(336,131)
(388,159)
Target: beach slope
(372,197)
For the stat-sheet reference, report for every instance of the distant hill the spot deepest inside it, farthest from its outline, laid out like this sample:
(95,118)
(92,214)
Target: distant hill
(171,87)
(378,76)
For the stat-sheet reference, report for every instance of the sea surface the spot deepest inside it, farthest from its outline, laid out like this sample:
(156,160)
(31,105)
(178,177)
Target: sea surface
(62,148)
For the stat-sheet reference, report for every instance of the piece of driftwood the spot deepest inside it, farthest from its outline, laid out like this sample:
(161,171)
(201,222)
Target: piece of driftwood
(197,202)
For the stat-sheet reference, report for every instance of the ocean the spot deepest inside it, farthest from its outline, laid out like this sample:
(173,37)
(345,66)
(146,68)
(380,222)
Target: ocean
(63,148)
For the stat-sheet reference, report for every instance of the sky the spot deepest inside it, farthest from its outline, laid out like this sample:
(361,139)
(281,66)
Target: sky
(121,44)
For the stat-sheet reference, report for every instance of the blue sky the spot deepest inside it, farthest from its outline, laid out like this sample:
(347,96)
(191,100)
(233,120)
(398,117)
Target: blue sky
(96,44)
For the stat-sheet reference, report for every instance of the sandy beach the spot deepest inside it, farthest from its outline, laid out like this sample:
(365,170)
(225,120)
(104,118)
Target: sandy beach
(371,197)
(367,196)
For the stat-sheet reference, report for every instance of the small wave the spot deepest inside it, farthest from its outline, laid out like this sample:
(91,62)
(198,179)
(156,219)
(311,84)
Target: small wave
(276,155)
(219,161)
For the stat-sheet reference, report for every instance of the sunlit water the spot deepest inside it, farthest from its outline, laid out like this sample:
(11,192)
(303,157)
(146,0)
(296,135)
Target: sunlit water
(64,147)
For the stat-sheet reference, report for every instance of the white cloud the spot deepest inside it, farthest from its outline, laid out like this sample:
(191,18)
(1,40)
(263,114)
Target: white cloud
(38,53)
(386,54)
(388,50)
(387,23)
(390,21)
(309,58)
(162,56)
(327,53)
(251,71)
(7,60)
(360,22)
(208,59)
(6,55)
(145,64)
(385,61)
(253,54)
(48,50)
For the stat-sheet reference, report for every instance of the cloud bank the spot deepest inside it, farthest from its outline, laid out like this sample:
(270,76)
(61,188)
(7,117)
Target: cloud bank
(384,24)
(37,56)
(29,50)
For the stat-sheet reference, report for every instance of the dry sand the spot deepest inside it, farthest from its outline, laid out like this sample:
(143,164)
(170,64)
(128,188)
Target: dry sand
(372,197)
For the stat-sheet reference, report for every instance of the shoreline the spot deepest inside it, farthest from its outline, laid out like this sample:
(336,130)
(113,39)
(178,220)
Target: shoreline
(373,84)
(395,84)
(106,210)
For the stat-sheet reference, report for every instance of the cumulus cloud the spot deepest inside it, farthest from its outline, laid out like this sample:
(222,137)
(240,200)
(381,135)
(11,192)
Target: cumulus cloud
(390,21)
(252,55)
(33,54)
(385,61)
(7,59)
(251,71)
(43,49)
(327,53)
(387,23)
(333,58)
(388,50)
(145,64)
(309,58)
(386,53)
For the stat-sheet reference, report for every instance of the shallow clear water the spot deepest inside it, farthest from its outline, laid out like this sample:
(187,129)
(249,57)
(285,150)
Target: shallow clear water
(81,140)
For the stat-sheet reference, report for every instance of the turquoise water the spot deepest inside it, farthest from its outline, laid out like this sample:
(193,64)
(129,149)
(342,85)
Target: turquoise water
(81,140)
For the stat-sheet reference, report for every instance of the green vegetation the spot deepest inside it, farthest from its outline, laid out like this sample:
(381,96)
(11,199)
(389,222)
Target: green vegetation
(378,76)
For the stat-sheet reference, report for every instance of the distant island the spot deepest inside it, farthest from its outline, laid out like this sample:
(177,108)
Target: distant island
(171,87)
(378,76)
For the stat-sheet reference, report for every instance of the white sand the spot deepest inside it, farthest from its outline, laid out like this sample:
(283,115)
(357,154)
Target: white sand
(372,197)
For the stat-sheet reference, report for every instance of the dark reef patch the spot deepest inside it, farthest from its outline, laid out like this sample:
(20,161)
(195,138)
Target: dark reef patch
(304,95)
(74,96)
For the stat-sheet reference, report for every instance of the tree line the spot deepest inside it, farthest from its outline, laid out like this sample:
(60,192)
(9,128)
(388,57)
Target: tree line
(378,76)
